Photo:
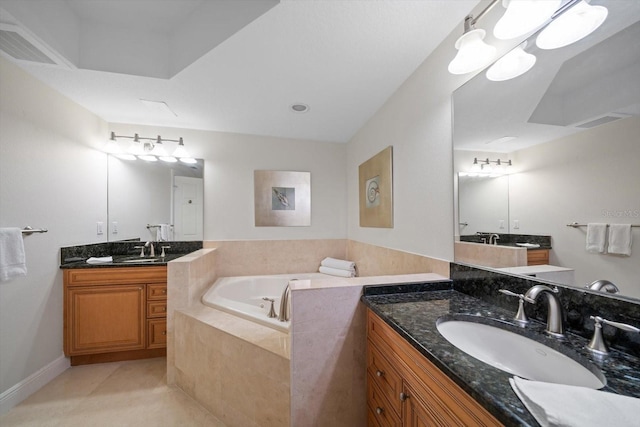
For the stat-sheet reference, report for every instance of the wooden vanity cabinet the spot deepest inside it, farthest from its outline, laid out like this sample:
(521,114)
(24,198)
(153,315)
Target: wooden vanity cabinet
(537,256)
(114,313)
(405,389)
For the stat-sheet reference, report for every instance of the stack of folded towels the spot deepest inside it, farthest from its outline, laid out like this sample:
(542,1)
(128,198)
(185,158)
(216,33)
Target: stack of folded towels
(338,267)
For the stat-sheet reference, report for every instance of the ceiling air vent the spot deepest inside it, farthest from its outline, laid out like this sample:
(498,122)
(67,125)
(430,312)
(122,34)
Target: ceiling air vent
(607,118)
(18,44)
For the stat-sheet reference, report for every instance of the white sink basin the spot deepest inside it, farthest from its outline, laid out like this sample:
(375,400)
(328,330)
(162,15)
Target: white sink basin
(518,354)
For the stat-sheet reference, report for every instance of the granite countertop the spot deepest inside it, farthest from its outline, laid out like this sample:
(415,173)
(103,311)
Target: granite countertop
(414,314)
(118,261)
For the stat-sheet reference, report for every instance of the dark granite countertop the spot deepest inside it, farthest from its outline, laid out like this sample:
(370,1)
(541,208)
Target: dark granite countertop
(125,253)
(119,261)
(414,314)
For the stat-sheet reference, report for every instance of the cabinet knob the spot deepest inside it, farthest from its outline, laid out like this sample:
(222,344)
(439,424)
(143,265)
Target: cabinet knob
(164,332)
(403,397)
(379,410)
(380,373)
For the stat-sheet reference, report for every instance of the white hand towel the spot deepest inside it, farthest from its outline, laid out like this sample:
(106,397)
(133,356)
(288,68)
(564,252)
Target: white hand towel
(336,272)
(100,260)
(620,239)
(13,261)
(339,264)
(162,233)
(571,406)
(596,237)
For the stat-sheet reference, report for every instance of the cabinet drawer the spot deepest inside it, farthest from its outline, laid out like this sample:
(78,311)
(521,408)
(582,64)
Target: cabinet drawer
(538,257)
(156,333)
(114,276)
(385,376)
(157,291)
(379,407)
(156,308)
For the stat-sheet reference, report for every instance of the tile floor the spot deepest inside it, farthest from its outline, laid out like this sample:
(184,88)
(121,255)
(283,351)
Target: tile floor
(133,393)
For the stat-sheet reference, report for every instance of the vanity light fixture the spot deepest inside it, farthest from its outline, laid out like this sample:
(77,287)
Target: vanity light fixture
(513,64)
(485,166)
(148,149)
(571,26)
(569,22)
(524,16)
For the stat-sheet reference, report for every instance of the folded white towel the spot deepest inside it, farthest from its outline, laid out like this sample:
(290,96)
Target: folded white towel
(569,406)
(596,237)
(13,262)
(620,239)
(339,264)
(100,260)
(163,233)
(336,272)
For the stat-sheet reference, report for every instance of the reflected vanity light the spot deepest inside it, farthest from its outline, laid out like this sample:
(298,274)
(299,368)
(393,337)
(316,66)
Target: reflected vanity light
(523,16)
(513,64)
(148,149)
(485,168)
(572,26)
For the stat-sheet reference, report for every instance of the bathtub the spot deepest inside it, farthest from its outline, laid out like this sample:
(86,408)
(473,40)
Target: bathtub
(242,296)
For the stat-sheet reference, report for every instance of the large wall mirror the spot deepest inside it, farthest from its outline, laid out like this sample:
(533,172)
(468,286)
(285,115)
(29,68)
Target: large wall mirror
(155,200)
(571,128)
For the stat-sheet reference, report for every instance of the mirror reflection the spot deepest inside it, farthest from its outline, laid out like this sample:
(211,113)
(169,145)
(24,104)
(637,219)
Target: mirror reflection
(155,200)
(570,127)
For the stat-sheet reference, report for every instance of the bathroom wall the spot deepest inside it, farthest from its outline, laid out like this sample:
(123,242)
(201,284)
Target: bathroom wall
(50,177)
(592,176)
(416,120)
(230,160)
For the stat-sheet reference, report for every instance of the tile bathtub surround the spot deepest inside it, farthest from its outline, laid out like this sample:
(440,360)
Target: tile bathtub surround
(328,358)
(490,255)
(379,261)
(258,257)
(578,304)
(122,248)
(239,382)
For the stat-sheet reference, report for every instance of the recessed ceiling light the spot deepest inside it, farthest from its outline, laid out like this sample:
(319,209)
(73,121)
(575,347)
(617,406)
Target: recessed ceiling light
(299,108)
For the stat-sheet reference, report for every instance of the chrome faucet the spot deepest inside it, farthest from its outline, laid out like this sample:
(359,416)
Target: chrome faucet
(152,252)
(494,238)
(284,313)
(554,315)
(597,344)
(603,285)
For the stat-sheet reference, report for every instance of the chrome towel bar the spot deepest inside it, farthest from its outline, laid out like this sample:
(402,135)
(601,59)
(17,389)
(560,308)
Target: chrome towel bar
(28,230)
(576,225)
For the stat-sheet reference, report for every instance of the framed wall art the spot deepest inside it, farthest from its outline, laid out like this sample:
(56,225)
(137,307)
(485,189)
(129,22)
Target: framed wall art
(282,198)
(376,190)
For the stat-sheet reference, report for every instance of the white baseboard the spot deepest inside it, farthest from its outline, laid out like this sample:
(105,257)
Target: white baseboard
(33,383)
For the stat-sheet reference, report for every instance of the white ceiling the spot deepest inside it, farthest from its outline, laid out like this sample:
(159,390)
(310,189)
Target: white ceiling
(236,66)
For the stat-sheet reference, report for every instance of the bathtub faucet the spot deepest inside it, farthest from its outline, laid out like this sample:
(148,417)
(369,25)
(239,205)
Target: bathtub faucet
(284,313)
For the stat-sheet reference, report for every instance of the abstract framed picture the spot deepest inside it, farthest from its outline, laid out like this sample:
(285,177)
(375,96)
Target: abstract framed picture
(282,198)
(376,190)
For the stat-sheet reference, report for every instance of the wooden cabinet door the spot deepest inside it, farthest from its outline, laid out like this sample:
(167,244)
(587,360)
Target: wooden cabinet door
(105,318)
(418,413)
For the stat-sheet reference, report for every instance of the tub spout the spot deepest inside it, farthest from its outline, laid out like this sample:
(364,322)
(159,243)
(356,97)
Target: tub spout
(284,314)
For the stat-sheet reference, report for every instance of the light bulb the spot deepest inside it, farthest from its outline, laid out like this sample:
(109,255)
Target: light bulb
(573,25)
(473,53)
(524,16)
(513,64)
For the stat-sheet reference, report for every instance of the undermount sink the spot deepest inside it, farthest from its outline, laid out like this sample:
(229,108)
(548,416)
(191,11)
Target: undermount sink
(511,352)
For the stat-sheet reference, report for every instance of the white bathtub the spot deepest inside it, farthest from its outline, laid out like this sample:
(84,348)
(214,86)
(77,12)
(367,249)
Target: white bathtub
(243,295)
